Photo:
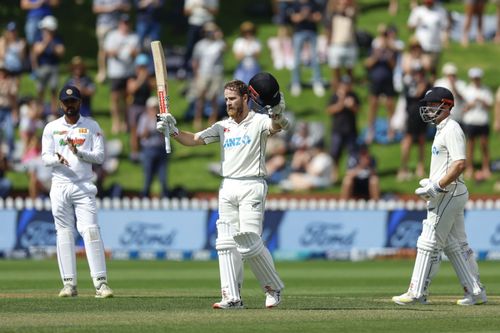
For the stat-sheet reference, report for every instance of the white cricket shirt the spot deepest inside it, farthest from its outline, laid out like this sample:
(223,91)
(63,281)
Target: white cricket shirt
(448,146)
(89,141)
(242,145)
(430,24)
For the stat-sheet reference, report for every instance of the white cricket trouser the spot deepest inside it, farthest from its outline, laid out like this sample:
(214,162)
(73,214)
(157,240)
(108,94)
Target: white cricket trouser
(72,200)
(241,203)
(446,214)
(444,229)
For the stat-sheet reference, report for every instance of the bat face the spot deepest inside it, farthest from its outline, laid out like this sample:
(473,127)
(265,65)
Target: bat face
(161,75)
(161,84)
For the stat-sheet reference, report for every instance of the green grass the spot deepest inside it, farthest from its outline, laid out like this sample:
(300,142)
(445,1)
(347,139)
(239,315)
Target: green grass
(164,296)
(188,166)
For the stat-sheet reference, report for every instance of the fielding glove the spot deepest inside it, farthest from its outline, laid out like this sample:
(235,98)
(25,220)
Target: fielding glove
(428,189)
(164,122)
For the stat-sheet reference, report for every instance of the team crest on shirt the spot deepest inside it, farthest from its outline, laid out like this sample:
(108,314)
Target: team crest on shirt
(435,150)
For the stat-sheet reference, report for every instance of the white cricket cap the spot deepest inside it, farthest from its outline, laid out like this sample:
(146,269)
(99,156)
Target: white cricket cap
(48,22)
(449,69)
(475,73)
(152,102)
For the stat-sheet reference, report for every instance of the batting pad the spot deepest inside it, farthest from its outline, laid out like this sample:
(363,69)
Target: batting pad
(230,263)
(427,262)
(253,251)
(66,257)
(94,248)
(465,265)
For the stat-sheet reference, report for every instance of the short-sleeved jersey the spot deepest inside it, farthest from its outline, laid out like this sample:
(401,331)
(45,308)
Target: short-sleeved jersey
(448,146)
(242,145)
(86,135)
(429,24)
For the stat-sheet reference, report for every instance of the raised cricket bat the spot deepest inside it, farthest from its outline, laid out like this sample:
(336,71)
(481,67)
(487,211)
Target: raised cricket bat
(161,84)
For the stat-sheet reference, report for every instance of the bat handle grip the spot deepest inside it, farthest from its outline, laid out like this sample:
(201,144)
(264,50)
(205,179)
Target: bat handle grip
(168,147)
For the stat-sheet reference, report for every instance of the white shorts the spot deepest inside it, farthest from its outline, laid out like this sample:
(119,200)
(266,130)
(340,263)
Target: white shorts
(241,203)
(70,200)
(342,56)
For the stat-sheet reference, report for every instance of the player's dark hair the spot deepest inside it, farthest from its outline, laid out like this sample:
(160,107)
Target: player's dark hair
(238,86)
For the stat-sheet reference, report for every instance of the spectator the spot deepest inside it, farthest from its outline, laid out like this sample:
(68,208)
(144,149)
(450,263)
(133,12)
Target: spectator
(276,150)
(48,51)
(139,88)
(199,13)
(497,31)
(496,125)
(394,6)
(361,180)
(473,8)
(341,36)
(415,56)
(312,170)
(496,128)
(5,183)
(37,10)
(305,18)
(8,109)
(343,108)
(153,157)
(479,100)
(415,86)
(12,51)
(380,65)
(39,175)
(431,25)
(208,69)
(30,120)
(451,82)
(121,47)
(246,50)
(281,46)
(148,22)
(83,82)
(108,14)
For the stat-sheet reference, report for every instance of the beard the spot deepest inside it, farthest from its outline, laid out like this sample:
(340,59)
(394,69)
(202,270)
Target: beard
(234,110)
(71,111)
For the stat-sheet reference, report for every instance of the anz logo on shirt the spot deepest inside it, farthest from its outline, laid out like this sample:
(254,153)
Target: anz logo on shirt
(435,150)
(236,142)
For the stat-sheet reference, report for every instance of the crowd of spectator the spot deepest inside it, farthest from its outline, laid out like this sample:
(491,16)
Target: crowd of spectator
(309,34)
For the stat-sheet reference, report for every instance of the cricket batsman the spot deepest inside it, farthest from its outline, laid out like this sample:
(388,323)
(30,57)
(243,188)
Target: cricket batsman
(242,138)
(446,196)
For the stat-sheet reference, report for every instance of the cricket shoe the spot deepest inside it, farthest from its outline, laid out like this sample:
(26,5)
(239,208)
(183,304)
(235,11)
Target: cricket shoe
(408,299)
(228,305)
(273,298)
(104,291)
(470,299)
(68,291)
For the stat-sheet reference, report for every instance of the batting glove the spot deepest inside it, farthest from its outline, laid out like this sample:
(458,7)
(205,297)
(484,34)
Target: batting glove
(281,121)
(279,108)
(428,189)
(164,122)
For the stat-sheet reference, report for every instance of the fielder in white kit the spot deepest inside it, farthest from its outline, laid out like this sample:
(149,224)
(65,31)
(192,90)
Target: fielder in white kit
(446,195)
(70,145)
(243,137)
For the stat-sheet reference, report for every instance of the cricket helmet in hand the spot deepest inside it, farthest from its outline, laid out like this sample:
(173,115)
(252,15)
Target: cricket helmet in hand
(264,90)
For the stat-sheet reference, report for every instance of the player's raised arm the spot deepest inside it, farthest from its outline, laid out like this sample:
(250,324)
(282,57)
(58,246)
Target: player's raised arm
(167,121)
